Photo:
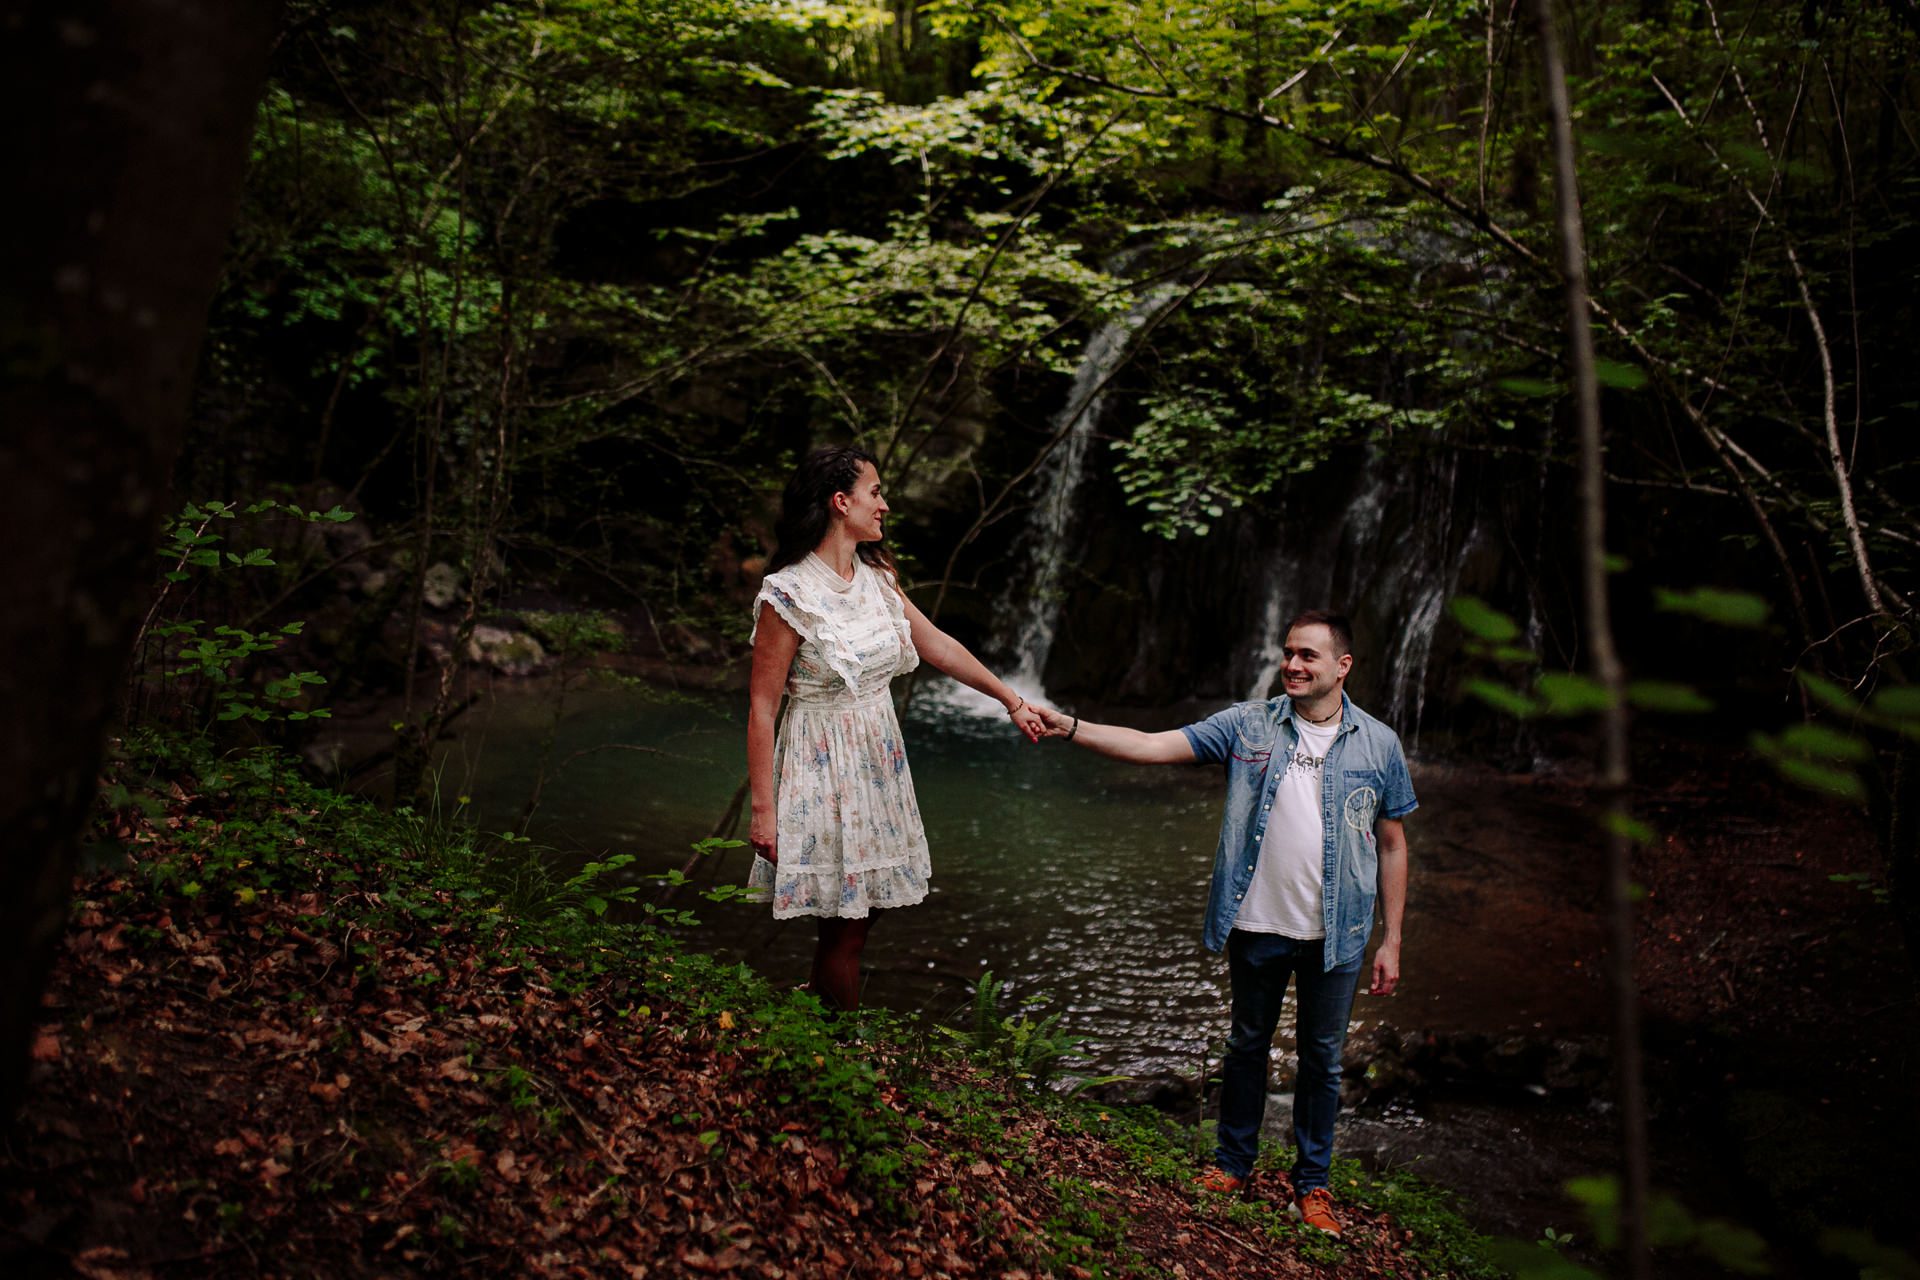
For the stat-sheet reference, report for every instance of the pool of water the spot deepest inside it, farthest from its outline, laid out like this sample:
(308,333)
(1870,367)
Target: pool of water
(1068,875)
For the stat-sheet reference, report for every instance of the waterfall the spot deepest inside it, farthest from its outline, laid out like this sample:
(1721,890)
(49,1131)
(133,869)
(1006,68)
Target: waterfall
(1033,604)
(1289,589)
(1431,572)
(1037,602)
(1397,584)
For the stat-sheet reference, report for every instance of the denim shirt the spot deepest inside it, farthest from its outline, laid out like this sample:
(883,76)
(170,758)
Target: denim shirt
(1364,779)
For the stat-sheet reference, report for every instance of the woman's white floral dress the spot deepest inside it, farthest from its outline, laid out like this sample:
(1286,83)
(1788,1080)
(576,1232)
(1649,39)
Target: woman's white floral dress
(849,834)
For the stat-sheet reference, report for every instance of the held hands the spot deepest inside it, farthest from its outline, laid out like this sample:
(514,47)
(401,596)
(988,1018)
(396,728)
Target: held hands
(1059,724)
(1028,719)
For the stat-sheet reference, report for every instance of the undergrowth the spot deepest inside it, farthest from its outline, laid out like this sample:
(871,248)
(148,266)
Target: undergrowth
(874,1083)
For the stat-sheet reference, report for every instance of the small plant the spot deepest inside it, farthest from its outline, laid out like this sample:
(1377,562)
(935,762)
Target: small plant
(1024,1046)
(214,665)
(461,1174)
(1866,884)
(1086,1232)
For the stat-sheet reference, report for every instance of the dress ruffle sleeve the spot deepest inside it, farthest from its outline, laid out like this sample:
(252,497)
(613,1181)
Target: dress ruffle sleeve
(784,593)
(799,605)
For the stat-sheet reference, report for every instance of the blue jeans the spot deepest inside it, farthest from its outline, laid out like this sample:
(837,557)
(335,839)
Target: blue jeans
(1260,964)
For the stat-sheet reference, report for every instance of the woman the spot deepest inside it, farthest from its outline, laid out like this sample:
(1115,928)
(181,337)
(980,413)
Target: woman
(835,824)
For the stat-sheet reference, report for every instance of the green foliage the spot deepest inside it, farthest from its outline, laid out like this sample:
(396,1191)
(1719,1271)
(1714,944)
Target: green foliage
(1668,696)
(1713,604)
(575,633)
(1876,1261)
(1483,621)
(1021,1046)
(1835,761)
(1087,1231)
(213,665)
(1565,693)
(1671,1225)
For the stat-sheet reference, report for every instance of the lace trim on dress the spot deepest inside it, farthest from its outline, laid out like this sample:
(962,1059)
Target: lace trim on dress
(829,893)
(897,611)
(797,601)
(783,591)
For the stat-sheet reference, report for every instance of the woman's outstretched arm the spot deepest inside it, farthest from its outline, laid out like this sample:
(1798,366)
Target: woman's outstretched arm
(774,645)
(944,653)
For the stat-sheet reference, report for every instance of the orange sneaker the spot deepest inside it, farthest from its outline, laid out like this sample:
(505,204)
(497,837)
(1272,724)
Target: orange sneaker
(1316,1210)
(1219,1181)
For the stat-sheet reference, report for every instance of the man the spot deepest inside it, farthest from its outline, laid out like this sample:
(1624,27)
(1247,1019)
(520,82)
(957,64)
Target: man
(1312,836)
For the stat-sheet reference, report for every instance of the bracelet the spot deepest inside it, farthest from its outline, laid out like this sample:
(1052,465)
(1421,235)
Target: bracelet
(1074,730)
(1016,706)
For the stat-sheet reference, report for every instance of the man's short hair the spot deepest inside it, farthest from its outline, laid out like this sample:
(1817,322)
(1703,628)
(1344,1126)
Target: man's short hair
(1336,624)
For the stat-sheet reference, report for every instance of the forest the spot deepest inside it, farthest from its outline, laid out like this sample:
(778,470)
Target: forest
(398,399)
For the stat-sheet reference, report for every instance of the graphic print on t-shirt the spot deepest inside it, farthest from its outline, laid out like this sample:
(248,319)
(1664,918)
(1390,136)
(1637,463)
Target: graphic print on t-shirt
(1284,897)
(1301,760)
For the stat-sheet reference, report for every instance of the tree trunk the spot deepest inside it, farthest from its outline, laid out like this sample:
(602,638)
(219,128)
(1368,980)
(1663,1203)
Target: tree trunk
(1629,1086)
(129,122)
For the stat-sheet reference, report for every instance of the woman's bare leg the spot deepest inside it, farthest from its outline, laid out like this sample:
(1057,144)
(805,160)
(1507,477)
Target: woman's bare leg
(836,961)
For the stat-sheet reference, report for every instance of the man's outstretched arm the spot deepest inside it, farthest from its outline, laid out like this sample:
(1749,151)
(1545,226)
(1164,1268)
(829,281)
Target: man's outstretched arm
(1119,743)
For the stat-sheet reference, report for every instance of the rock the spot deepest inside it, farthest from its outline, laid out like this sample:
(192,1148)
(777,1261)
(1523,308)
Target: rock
(1167,1091)
(440,586)
(690,644)
(326,756)
(1578,1067)
(511,653)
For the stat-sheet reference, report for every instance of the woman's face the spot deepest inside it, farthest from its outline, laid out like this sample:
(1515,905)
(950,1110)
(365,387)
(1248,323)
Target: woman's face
(862,507)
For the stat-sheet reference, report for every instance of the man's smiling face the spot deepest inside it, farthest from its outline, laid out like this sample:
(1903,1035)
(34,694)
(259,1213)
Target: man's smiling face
(1313,668)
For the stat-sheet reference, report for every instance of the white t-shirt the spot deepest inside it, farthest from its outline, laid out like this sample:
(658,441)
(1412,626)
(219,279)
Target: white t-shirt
(1284,897)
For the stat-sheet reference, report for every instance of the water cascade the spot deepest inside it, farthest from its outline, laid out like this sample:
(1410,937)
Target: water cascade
(1391,556)
(1033,603)
(1037,601)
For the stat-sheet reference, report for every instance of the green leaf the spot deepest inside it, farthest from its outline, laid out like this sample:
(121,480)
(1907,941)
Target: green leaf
(1733,1247)
(1512,653)
(1829,744)
(1664,695)
(1501,698)
(1883,1262)
(1600,1198)
(1825,690)
(1625,824)
(1483,620)
(1729,608)
(1840,783)
(1669,1223)
(1621,377)
(1570,694)
(1536,388)
(1531,1262)
(1901,702)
